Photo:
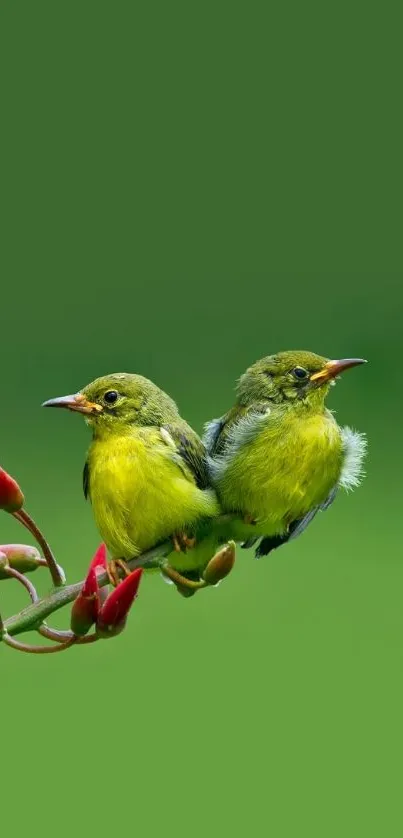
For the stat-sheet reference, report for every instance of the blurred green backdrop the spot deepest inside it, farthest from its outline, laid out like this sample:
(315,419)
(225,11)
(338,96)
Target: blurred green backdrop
(184,192)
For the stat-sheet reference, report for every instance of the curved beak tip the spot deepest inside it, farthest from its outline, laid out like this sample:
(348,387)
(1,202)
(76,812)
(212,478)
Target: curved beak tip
(346,363)
(334,368)
(73,402)
(61,401)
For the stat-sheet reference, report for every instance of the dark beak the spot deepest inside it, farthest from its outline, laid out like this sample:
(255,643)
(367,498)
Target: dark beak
(334,368)
(76,402)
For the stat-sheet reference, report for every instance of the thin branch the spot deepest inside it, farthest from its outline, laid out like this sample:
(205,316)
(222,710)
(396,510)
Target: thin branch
(62,636)
(37,650)
(178,579)
(44,630)
(55,571)
(15,574)
(54,634)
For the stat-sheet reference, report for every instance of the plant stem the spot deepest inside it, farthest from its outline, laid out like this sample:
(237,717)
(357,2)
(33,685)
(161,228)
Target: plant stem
(15,574)
(54,634)
(26,520)
(178,579)
(36,650)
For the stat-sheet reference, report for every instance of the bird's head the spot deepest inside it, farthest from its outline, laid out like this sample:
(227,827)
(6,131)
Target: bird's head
(122,399)
(291,376)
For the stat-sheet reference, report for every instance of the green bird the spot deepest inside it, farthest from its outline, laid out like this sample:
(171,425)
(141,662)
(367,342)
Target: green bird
(279,456)
(146,471)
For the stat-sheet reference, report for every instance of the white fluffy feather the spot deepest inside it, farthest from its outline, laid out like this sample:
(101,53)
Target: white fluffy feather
(211,431)
(355,448)
(242,432)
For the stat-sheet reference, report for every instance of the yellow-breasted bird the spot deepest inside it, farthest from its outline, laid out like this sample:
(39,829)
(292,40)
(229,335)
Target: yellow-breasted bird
(146,471)
(278,456)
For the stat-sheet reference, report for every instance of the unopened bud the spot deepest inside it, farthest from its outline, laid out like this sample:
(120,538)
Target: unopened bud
(113,614)
(99,560)
(99,563)
(86,606)
(220,565)
(11,497)
(20,557)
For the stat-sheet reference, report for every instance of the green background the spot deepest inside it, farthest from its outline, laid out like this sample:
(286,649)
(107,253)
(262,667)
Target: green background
(186,188)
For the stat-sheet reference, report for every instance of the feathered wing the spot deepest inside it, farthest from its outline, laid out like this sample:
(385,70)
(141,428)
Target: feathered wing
(219,433)
(188,452)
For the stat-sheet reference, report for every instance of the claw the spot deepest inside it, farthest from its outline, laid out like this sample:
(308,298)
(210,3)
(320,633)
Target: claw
(177,546)
(183,542)
(113,568)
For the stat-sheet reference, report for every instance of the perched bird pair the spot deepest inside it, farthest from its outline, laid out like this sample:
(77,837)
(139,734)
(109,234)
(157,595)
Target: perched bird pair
(274,460)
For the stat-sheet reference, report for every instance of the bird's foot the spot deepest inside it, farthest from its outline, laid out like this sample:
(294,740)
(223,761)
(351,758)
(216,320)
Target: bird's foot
(183,542)
(113,568)
(249,519)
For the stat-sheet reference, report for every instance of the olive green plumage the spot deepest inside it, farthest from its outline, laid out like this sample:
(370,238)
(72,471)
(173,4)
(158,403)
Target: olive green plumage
(278,455)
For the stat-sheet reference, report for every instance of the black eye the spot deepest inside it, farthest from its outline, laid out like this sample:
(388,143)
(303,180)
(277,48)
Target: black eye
(300,373)
(111,397)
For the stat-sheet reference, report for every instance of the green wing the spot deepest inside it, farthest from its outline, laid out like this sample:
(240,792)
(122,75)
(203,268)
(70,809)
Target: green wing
(218,431)
(189,451)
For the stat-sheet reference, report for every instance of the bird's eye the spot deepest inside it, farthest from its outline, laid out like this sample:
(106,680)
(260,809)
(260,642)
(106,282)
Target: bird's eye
(111,397)
(300,373)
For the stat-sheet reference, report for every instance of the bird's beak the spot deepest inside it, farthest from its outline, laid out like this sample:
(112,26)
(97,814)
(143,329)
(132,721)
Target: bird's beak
(76,402)
(334,368)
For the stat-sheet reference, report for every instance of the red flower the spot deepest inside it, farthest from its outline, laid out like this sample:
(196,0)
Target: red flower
(11,497)
(113,614)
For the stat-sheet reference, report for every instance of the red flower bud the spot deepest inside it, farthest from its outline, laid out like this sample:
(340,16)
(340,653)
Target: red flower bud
(21,557)
(99,560)
(99,564)
(86,606)
(220,565)
(90,586)
(113,614)
(11,497)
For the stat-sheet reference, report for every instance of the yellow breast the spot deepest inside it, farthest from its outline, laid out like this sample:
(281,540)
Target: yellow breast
(139,495)
(287,469)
